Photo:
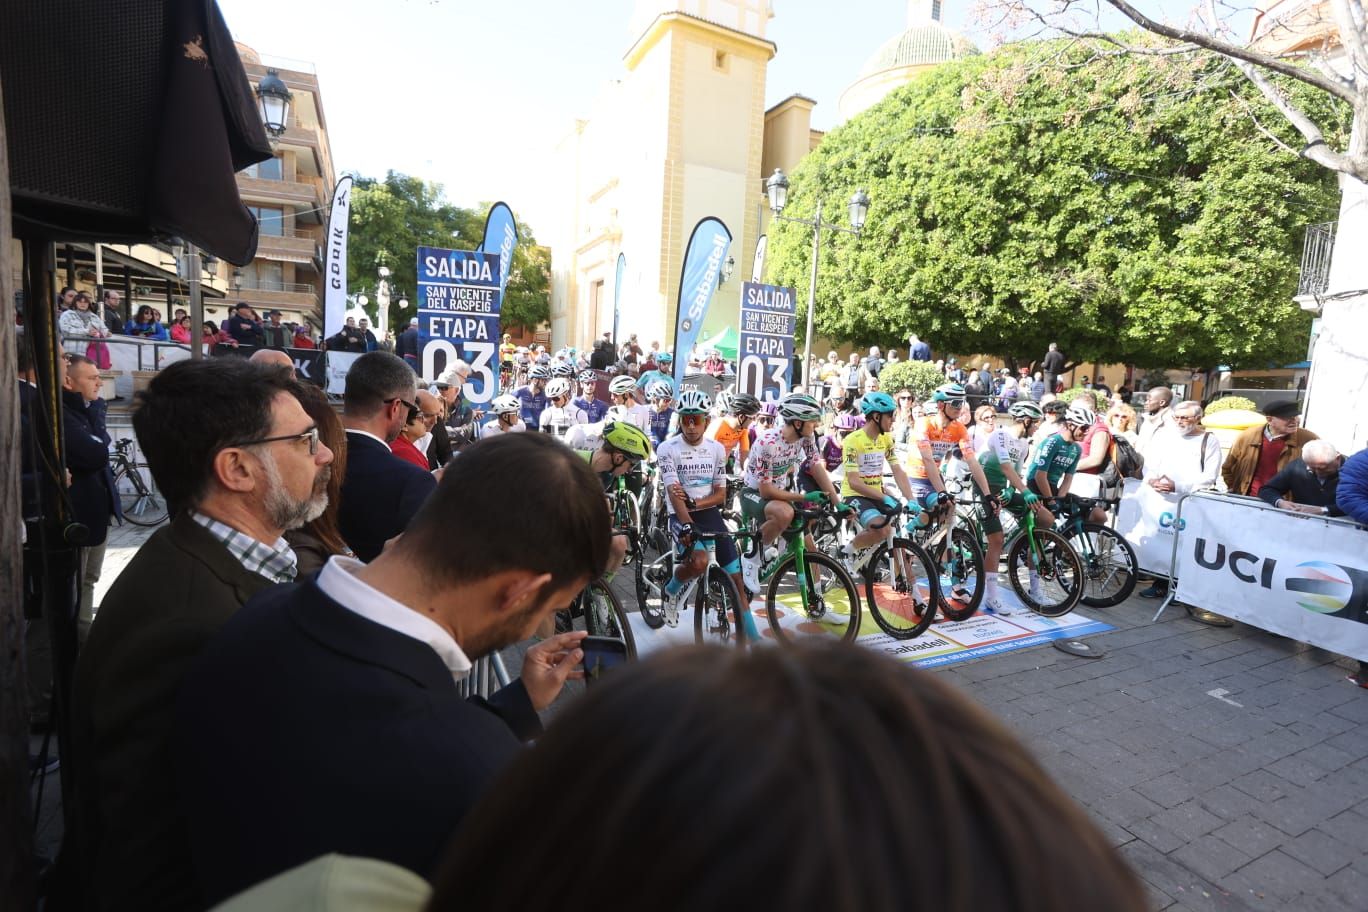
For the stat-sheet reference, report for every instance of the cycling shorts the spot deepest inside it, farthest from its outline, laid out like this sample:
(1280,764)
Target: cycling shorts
(920,487)
(710,520)
(866,509)
(1013,500)
(752,506)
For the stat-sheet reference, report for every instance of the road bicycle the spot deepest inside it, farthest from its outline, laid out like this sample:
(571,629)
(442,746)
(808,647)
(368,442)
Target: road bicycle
(811,586)
(625,508)
(712,593)
(142,502)
(599,611)
(901,580)
(1110,568)
(957,552)
(1043,568)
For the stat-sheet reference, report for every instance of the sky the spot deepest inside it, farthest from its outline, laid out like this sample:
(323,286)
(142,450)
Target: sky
(474,96)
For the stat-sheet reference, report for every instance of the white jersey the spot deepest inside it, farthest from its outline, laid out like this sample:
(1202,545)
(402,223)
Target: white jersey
(699,469)
(558,420)
(492,428)
(585,436)
(638,414)
(772,458)
(999,449)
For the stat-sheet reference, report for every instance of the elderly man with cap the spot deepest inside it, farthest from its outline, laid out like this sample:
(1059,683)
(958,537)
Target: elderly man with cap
(1263,451)
(406,346)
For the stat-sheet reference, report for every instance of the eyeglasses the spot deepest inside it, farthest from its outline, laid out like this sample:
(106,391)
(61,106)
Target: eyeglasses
(1187,417)
(311,435)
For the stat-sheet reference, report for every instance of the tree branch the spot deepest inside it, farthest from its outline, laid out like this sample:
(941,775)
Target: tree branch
(1316,149)
(1249,110)
(1235,52)
(1350,27)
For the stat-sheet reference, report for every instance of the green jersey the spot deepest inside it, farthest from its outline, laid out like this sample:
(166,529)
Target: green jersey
(1057,457)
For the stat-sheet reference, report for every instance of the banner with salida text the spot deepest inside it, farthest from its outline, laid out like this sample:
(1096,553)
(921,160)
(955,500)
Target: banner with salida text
(459,300)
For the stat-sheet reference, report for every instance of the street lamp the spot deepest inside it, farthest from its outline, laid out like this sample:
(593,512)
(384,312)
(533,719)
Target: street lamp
(274,100)
(777,188)
(727,269)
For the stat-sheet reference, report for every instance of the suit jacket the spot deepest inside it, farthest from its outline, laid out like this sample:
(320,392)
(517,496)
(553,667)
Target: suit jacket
(87,458)
(380,494)
(170,600)
(1299,484)
(306,729)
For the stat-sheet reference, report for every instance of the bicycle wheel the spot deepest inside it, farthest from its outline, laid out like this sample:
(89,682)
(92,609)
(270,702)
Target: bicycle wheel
(1050,583)
(821,602)
(649,576)
(605,617)
(961,578)
(142,502)
(901,588)
(717,610)
(1109,566)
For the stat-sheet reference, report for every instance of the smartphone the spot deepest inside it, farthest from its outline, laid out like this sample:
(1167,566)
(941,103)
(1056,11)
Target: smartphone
(601,655)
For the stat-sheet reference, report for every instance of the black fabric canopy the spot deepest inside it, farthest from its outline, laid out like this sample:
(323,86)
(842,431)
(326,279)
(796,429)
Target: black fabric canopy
(126,121)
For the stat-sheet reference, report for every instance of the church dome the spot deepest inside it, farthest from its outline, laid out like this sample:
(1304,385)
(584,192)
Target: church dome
(921,45)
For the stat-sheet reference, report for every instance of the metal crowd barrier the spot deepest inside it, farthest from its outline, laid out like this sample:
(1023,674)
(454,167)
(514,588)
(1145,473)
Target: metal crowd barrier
(486,676)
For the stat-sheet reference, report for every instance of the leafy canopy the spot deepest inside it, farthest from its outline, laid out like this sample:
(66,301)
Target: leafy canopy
(392,218)
(1127,207)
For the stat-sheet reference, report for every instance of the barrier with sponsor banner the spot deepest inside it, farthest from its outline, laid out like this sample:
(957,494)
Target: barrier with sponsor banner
(1148,520)
(1294,574)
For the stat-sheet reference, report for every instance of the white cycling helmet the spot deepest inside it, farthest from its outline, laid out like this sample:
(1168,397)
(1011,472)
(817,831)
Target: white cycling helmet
(800,407)
(539,372)
(558,387)
(659,390)
(1026,410)
(1080,415)
(562,369)
(503,405)
(622,386)
(694,402)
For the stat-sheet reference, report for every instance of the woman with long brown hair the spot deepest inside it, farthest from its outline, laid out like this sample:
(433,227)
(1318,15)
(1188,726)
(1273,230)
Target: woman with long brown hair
(319,540)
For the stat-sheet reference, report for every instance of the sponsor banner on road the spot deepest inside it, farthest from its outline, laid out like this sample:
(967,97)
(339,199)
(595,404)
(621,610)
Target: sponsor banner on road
(458,316)
(1301,576)
(698,280)
(765,358)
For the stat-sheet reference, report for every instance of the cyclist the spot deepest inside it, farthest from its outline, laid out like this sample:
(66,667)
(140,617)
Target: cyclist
(865,454)
(506,352)
(625,407)
(1003,456)
(1052,472)
(770,489)
(692,474)
(506,409)
(934,436)
(661,395)
(828,451)
(664,362)
(732,430)
(560,413)
(764,419)
(622,449)
(594,409)
(532,397)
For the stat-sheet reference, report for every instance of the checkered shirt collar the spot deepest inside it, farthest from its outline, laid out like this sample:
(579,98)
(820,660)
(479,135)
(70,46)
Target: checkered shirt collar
(275,562)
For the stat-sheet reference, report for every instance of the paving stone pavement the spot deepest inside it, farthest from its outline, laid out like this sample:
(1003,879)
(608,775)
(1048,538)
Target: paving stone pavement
(1229,766)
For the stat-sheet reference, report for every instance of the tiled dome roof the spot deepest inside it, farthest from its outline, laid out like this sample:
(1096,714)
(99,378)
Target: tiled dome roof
(919,45)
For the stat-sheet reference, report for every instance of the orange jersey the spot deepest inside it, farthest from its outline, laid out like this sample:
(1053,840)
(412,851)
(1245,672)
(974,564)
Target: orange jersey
(942,441)
(725,432)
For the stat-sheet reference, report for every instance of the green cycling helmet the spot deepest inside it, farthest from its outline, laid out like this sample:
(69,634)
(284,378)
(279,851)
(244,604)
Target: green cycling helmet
(877,404)
(800,407)
(627,438)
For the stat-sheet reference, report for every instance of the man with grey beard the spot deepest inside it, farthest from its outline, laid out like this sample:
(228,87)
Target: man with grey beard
(240,463)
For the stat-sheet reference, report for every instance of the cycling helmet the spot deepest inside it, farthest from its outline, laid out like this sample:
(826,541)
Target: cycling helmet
(694,402)
(627,438)
(664,358)
(877,404)
(1027,410)
(539,372)
(557,388)
(723,401)
(950,392)
(563,369)
(659,390)
(1079,414)
(503,405)
(745,404)
(848,423)
(769,409)
(800,407)
(622,386)
(588,377)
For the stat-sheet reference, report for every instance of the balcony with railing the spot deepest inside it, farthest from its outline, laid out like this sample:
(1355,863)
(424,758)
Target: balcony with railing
(294,245)
(1315,265)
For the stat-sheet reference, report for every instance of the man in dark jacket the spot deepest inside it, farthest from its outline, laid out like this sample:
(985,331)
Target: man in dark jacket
(1308,484)
(237,474)
(406,346)
(351,678)
(1053,365)
(92,484)
(347,339)
(243,326)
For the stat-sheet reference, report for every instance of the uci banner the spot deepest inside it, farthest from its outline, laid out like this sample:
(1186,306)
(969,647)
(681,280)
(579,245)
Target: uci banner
(703,260)
(765,358)
(500,237)
(335,293)
(458,316)
(1304,577)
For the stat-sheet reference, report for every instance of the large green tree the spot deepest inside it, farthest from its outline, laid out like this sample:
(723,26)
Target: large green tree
(1127,207)
(392,218)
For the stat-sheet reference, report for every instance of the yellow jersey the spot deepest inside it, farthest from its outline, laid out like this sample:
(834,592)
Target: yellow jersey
(866,458)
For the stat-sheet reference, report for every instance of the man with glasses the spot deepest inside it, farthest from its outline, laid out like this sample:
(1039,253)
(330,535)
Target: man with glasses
(1178,463)
(380,492)
(1308,484)
(236,475)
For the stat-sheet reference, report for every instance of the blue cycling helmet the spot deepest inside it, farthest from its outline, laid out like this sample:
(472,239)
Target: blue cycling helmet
(877,404)
(950,392)
(664,358)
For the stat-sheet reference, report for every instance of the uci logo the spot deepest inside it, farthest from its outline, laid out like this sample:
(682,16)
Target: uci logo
(1166,521)
(1325,588)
